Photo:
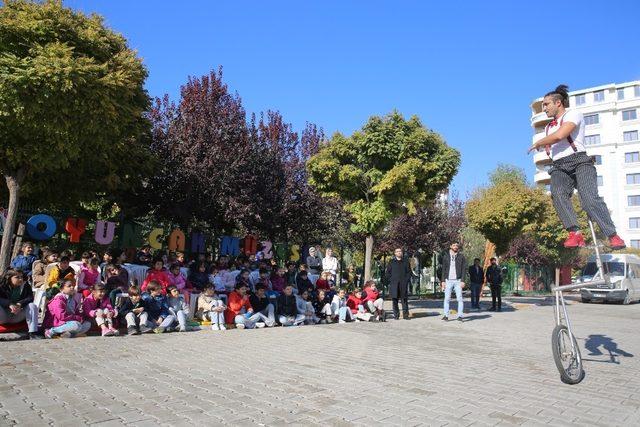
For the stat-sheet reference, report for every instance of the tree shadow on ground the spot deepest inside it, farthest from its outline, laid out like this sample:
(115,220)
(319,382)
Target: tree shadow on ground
(597,343)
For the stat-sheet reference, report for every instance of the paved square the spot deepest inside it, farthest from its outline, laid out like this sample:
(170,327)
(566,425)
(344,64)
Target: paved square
(492,369)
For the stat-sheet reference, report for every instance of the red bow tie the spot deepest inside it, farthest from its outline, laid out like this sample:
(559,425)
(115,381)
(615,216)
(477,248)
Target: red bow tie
(553,123)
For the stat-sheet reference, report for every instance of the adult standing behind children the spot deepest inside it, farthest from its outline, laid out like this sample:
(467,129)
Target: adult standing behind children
(476,277)
(398,275)
(572,169)
(454,270)
(494,277)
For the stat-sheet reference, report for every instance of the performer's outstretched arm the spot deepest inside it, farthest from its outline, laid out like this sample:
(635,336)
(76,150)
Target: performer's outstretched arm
(564,131)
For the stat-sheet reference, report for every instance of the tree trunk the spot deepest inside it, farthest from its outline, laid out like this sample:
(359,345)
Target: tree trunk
(14,181)
(368,254)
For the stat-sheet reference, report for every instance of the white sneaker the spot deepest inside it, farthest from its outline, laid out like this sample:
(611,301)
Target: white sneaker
(240,326)
(222,327)
(260,325)
(340,322)
(215,327)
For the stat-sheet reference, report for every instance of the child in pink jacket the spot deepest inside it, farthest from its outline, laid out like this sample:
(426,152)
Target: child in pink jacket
(97,307)
(179,281)
(90,275)
(63,316)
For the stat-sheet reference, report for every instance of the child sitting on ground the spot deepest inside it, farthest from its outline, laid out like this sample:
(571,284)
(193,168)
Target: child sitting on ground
(157,307)
(305,307)
(63,316)
(339,309)
(217,279)
(356,305)
(322,306)
(24,261)
(58,274)
(303,283)
(278,280)
(115,283)
(260,304)
(178,307)
(158,274)
(89,273)
(133,311)
(39,269)
(323,281)
(98,309)
(210,307)
(178,280)
(372,301)
(288,308)
(199,277)
(240,312)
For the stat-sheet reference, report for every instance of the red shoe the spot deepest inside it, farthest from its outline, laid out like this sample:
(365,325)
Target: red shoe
(616,242)
(574,240)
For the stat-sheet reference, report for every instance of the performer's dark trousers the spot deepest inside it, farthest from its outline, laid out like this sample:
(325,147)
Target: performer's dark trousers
(578,172)
(402,294)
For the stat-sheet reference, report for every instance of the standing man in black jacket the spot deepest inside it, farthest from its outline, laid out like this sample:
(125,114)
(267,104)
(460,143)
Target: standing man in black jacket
(398,274)
(454,270)
(494,277)
(476,277)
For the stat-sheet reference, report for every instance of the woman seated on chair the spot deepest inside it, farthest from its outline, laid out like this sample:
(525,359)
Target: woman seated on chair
(16,302)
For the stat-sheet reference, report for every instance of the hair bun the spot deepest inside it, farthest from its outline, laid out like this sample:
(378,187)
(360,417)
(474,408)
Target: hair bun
(562,90)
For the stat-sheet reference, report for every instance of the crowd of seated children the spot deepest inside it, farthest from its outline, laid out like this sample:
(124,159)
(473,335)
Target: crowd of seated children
(244,292)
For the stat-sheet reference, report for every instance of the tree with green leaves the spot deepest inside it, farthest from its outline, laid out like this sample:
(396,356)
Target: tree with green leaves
(502,210)
(390,167)
(72,106)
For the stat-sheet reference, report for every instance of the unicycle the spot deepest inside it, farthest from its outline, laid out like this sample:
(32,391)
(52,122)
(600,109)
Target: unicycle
(564,346)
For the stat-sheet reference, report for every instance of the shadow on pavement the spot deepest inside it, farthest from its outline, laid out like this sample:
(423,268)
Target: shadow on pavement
(471,318)
(594,343)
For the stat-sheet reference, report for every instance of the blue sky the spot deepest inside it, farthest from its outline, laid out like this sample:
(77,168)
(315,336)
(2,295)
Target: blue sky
(468,69)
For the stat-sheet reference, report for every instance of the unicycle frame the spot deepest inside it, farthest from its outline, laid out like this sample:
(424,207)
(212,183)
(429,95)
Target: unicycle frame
(561,314)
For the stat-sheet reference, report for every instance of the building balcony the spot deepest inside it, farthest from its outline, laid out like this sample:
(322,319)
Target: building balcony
(540,118)
(540,158)
(542,178)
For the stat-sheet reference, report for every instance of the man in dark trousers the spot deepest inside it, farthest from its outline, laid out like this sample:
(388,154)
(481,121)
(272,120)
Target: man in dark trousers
(398,274)
(476,277)
(494,277)
(454,270)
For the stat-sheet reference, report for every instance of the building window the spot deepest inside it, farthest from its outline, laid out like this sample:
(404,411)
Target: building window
(592,139)
(634,222)
(629,115)
(581,99)
(635,244)
(598,96)
(633,178)
(620,94)
(633,157)
(633,200)
(631,135)
(600,181)
(592,119)
(598,159)
(636,91)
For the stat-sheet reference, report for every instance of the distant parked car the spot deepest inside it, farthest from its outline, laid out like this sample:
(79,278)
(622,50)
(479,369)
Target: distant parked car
(624,274)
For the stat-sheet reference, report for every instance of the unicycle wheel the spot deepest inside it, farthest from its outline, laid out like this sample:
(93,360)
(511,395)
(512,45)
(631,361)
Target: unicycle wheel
(567,356)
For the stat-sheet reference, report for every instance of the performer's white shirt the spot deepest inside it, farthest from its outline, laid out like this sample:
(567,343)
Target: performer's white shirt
(563,148)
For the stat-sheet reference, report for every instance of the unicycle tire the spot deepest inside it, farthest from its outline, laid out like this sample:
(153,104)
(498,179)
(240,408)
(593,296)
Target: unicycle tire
(568,362)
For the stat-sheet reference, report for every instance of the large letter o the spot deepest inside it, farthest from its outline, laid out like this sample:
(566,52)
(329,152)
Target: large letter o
(49,227)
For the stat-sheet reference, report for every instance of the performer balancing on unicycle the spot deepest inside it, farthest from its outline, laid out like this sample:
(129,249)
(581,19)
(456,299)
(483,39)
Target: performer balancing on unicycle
(572,169)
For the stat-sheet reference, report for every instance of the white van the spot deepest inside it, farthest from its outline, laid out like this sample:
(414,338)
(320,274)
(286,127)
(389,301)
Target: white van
(624,273)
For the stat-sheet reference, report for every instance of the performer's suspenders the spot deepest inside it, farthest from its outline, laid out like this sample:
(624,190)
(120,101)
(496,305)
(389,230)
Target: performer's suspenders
(547,148)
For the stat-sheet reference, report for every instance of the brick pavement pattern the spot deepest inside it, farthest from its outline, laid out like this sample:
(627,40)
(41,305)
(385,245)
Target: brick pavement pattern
(492,369)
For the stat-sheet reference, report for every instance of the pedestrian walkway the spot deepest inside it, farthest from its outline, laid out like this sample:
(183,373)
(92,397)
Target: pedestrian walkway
(491,369)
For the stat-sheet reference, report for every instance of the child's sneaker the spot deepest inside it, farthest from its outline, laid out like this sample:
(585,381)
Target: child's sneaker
(114,331)
(145,329)
(260,325)
(240,326)
(48,334)
(182,329)
(222,327)
(215,327)
(66,335)
(131,330)
(158,330)
(106,332)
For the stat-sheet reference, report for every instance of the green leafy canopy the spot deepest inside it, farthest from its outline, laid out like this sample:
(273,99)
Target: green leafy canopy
(390,165)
